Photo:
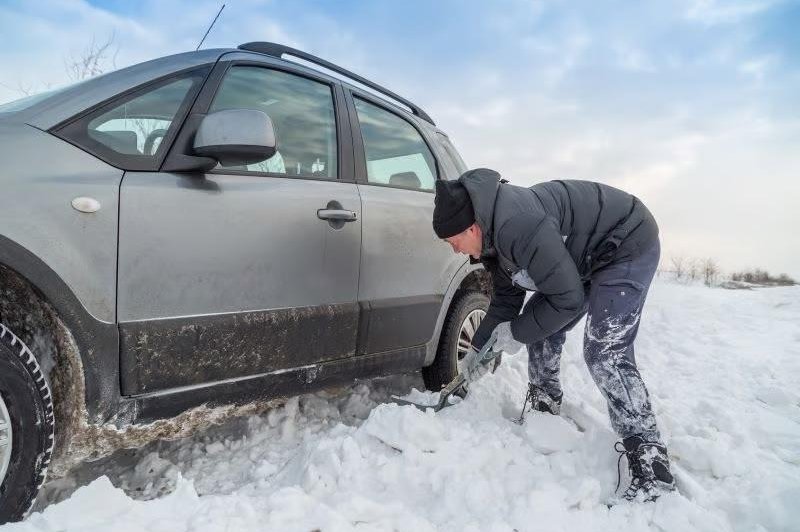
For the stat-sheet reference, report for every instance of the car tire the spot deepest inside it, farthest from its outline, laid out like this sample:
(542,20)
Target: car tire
(465,306)
(26,415)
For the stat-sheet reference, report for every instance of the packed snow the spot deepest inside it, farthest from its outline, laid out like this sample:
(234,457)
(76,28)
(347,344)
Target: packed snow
(722,367)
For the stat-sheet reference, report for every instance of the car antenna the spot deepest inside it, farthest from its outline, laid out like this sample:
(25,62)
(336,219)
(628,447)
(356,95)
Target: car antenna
(209,28)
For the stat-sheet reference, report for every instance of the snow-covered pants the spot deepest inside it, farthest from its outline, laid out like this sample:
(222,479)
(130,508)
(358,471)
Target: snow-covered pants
(614,302)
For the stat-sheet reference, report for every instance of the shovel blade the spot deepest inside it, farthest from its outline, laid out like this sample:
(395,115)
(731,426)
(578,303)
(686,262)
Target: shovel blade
(436,406)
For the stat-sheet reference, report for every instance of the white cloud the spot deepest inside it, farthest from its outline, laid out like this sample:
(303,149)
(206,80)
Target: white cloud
(492,113)
(758,68)
(675,156)
(713,12)
(556,58)
(631,58)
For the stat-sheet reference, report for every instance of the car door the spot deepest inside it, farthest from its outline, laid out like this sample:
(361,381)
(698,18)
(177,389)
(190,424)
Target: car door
(405,269)
(240,271)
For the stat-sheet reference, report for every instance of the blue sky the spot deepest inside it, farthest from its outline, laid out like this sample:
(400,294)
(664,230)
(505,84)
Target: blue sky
(690,104)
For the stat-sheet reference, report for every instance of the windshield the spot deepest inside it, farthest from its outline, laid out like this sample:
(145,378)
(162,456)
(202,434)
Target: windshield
(28,101)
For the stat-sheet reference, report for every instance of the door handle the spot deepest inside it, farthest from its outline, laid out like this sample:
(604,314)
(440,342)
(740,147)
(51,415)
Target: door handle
(341,215)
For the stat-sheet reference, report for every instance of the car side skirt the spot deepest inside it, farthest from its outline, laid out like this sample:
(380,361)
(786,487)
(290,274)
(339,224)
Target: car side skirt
(175,352)
(149,407)
(162,354)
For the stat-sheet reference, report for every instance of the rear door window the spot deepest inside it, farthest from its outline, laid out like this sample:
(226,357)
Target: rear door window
(453,159)
(396,153)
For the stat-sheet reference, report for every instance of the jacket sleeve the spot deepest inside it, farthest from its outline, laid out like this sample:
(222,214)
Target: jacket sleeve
(506,303)
(535,243)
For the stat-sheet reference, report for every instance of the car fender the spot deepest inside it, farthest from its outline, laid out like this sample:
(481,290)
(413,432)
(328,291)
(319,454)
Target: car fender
(455,283)
(97,341)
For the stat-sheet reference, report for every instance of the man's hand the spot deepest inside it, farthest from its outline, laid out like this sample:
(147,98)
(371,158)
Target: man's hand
(505,340)
(471,368)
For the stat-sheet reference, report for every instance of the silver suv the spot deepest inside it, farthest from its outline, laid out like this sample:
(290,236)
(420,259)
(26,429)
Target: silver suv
(187,238)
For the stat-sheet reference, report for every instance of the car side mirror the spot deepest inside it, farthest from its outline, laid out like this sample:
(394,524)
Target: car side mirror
(235,137)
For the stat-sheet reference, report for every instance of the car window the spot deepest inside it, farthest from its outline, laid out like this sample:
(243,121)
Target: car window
(302,114)
(395,151)
(144,134)
(136,127)
(129,133)
(448,165)
(453,159)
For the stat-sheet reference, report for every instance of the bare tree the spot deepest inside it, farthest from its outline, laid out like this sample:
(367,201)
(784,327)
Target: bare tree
(694,269)
(678,264)
(93,60)
(23,88)
(763,277)
(710,271)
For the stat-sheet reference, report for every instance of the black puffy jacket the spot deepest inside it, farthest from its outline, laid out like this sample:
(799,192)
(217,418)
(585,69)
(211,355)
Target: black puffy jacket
(550,238)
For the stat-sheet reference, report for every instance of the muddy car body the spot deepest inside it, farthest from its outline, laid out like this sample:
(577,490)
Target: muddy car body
(157,273)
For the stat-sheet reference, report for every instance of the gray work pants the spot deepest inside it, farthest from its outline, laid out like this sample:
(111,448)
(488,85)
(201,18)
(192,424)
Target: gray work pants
(614,304)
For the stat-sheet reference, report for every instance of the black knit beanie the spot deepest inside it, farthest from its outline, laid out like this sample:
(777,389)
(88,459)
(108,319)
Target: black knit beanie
(452,211)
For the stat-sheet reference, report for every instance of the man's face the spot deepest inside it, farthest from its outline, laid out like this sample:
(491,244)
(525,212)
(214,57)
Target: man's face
(468,242)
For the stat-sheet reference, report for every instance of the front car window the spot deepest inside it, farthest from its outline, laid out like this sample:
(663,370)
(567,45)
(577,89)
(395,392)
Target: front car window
(396,153)
(302,115)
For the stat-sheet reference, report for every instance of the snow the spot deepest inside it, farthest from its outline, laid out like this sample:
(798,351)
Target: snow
(722,367)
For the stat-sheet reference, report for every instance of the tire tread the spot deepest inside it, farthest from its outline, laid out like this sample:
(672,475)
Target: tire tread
(16,345)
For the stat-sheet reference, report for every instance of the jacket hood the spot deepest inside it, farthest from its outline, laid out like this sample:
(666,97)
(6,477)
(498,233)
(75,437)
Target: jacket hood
(482,185)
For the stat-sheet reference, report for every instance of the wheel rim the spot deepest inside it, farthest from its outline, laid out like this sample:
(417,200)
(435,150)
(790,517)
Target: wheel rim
(467,332)
(5,440)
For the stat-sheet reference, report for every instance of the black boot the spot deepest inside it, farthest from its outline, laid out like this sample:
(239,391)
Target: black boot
(540,401)
(648,464)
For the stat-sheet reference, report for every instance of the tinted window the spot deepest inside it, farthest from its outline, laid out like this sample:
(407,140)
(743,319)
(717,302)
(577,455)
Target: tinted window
(129,132)
(396,153)
(302,114)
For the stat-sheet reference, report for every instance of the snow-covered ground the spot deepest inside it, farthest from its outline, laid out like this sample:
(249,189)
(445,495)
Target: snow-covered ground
(723,369)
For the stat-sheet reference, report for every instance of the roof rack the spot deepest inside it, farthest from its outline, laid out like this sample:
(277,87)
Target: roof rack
(278,50)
